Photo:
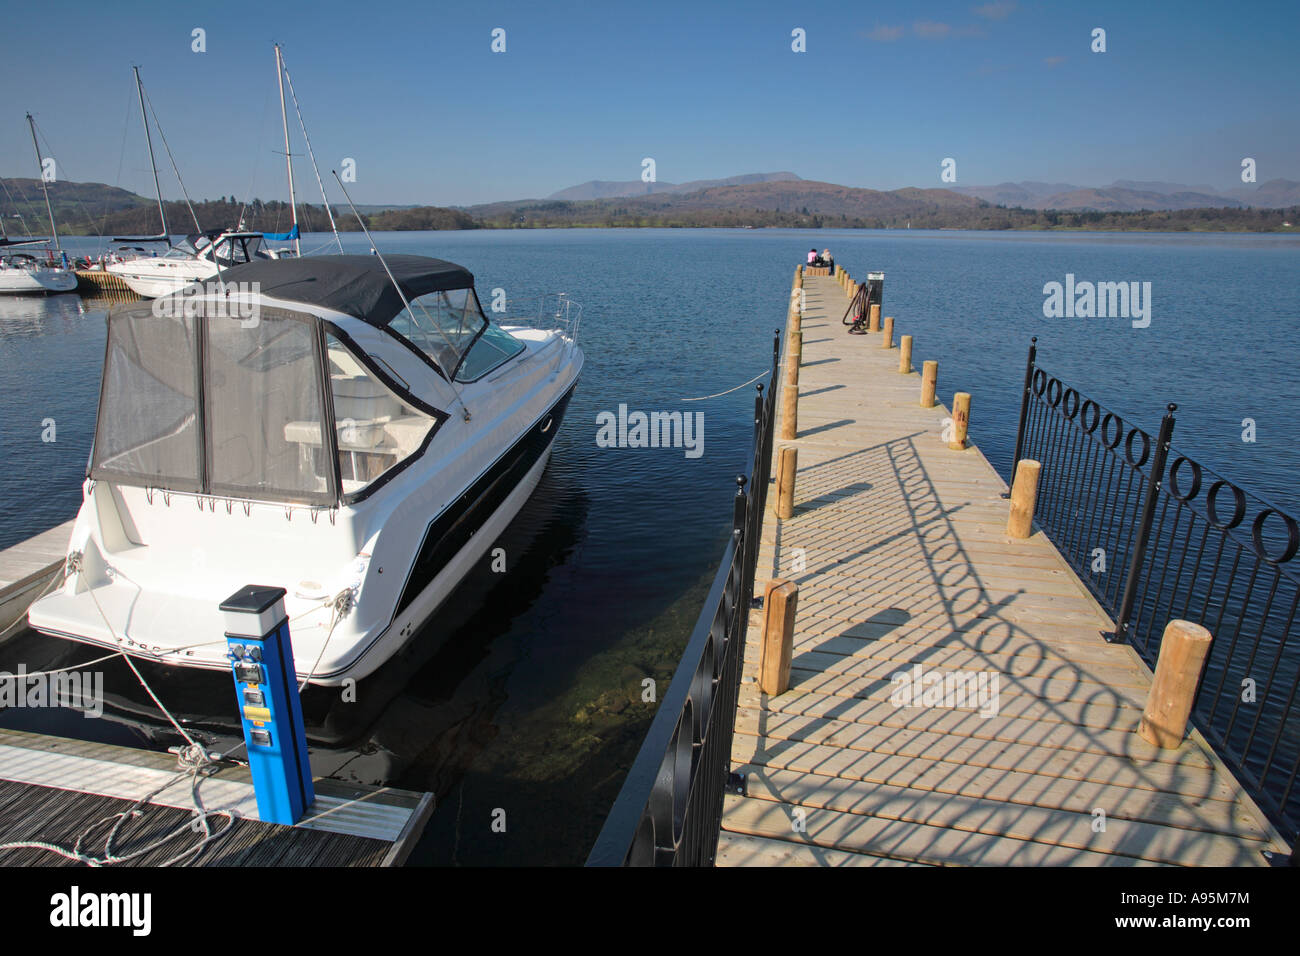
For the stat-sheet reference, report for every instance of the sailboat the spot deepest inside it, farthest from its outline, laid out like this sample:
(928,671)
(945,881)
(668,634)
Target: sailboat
(196,258)
(24,273)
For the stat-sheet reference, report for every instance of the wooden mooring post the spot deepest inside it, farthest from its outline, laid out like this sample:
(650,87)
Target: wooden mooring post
(960,420)
(790,412)
(1024,498)
(929,380)
(780,602)
(1183,650)
(888,341)
(905,355)
(786,468)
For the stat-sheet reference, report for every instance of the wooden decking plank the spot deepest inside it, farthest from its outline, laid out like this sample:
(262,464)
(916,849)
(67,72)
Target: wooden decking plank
(736,849)
(1194,801)
(1079,831)
(903,840)
(873,660)
(1008,737)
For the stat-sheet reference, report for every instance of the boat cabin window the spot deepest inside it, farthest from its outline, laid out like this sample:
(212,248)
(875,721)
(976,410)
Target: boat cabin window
(147,429)
(235,251)
(442,325)
(262,391)
(256,426)
(376,430)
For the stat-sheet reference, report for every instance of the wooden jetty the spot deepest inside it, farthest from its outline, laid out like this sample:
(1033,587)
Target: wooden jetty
(899,547)
(100,284)
(27,568)
(52,789)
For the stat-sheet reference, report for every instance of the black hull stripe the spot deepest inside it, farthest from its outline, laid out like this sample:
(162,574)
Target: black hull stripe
(462,519)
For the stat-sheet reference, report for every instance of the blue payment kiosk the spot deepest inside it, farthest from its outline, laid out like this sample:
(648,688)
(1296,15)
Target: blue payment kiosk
(266,691)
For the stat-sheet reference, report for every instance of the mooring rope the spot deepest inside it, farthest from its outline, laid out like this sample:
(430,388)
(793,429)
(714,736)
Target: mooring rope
(193,760)
(705,398)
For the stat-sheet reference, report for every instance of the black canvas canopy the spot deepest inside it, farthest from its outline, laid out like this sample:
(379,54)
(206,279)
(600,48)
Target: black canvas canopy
(354,285)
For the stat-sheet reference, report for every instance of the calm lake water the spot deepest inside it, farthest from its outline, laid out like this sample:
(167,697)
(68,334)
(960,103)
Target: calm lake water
(533,706)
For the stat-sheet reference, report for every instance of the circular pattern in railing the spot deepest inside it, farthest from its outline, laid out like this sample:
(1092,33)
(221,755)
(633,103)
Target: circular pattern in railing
(1292,537)
(1090,406)
(1212,505)
(1111,420)
(1071,409)
(702,696)
(718,639)
(1054,390)
(1175,488)
(673,783)
(1040,382)
(1128,447)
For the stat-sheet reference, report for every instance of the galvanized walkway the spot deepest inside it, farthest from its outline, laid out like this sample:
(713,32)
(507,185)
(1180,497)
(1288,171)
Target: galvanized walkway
(52,789)
(906,564)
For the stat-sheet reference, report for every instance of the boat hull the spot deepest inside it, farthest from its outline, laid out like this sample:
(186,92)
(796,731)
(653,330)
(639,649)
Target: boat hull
(37,281)
(153,278)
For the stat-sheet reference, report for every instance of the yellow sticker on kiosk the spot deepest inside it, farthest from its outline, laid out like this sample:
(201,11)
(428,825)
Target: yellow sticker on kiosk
(257,713)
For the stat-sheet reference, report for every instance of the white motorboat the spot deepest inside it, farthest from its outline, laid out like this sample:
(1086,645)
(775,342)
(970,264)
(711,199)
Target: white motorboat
(22,273)
(350,428)
(196,258)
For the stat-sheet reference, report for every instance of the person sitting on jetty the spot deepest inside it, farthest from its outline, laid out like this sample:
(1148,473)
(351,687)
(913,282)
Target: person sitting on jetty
(812,257)
(828,260)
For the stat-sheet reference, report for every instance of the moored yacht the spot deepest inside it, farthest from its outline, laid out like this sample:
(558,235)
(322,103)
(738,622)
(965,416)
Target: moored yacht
(22,273)
(196,258)
(350,428)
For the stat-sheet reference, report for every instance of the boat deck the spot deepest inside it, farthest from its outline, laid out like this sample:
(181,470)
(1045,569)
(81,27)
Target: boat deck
(899,550)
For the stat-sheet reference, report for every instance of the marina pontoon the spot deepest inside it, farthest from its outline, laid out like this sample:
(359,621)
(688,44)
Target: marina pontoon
(314,424)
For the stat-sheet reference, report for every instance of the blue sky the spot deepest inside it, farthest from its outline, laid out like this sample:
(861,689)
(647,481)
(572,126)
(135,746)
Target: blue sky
(885,91)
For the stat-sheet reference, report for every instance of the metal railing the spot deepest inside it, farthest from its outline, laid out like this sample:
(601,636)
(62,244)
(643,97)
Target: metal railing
(551,311)
(669,809)
(1157,536)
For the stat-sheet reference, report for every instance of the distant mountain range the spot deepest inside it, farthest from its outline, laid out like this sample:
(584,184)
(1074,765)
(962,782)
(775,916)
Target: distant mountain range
(755,199)
(1126,195)
(605,189)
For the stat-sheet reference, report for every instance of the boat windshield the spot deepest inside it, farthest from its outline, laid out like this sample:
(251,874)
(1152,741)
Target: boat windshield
(443,326)
(234,250)
(450,328)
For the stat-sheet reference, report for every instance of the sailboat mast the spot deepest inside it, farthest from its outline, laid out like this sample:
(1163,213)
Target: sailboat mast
(45,187)
(288,159)
(139,89)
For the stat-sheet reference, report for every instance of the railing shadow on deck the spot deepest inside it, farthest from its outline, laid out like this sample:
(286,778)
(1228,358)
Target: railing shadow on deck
(958,610)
